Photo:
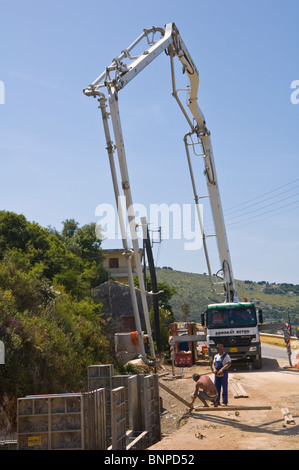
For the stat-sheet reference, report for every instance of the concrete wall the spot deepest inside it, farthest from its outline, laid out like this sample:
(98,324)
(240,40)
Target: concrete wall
(278,340)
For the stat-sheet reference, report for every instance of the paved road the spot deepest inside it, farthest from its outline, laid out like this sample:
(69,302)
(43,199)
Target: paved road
(273,357)
(274,352)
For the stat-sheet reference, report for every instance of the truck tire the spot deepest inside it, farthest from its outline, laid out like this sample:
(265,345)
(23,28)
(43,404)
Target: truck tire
(257,363)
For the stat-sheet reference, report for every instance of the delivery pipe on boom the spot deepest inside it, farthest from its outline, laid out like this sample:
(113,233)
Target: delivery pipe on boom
(127,252)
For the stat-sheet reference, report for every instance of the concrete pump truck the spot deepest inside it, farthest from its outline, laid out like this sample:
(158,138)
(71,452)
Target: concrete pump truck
(232,323)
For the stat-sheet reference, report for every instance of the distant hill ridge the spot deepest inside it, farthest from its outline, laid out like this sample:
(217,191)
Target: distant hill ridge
(279,302)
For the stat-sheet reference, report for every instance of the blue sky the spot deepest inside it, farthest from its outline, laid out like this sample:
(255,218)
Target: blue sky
(54,165)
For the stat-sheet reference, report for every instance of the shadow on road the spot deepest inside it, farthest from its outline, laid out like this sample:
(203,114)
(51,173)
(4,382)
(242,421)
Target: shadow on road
(267,427)
(246,366)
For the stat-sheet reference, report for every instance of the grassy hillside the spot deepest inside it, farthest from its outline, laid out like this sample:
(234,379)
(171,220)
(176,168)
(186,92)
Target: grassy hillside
(279,302)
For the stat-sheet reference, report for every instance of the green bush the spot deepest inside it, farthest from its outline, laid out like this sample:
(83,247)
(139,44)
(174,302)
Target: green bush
(50,325)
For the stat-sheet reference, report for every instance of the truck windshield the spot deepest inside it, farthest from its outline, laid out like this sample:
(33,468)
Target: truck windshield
(227,318)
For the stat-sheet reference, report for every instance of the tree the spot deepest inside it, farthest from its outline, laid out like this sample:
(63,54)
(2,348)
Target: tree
(166,316)
(166,292)
(49,322)
(185,311)
(69,228)
(82,241)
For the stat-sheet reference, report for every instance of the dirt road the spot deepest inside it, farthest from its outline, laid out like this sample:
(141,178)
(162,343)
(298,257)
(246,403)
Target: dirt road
(274,386)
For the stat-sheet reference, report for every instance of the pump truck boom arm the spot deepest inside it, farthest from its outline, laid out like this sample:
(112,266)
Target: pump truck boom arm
(115,77)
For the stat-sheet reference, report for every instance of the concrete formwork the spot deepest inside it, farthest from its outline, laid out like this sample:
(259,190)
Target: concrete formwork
(118,412)
(141,403)
(73,421)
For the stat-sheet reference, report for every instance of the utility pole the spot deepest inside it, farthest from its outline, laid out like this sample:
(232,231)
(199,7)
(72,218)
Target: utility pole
(160,235)
(150,258)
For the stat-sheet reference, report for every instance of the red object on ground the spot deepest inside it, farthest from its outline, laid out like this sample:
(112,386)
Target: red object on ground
(183,359)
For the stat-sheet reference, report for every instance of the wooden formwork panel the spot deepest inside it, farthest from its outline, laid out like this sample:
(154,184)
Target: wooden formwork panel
(118,419)
(95,420)
(62,421)
(152,408)
(100,376)
(50,422)
(141,403)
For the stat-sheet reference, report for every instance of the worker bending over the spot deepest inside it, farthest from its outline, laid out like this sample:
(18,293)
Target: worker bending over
(208,390)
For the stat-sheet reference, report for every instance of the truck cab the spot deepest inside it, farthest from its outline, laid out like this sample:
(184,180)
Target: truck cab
(235,325)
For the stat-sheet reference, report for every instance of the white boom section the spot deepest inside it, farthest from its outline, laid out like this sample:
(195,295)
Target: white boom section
(115,77)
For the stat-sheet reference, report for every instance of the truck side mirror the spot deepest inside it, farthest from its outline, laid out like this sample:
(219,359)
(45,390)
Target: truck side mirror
(203,319)
(261,319)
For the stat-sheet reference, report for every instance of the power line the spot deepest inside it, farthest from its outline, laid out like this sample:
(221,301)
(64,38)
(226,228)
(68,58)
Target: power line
(263,207)
(261,201)
(208,220)
(257,210)
(262,214)
(177,228)
(264,194)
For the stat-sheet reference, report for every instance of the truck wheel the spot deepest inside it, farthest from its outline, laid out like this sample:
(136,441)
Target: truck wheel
(257,363)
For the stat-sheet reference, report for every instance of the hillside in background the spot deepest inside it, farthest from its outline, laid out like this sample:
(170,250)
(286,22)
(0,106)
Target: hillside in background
(279,302)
